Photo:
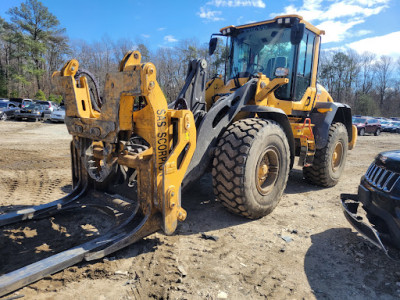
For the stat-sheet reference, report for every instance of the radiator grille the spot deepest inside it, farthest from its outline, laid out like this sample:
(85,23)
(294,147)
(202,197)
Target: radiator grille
(381,178)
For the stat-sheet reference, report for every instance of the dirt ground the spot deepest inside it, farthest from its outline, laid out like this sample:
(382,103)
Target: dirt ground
(305,249)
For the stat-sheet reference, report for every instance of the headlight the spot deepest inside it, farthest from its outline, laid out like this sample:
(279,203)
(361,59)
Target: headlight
(38,112)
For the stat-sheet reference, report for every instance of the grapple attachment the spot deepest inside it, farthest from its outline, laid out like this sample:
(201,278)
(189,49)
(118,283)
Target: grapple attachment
(129,154)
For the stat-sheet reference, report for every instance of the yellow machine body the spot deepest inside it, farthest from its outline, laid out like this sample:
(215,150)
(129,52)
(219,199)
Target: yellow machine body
(160,167)
(265,96)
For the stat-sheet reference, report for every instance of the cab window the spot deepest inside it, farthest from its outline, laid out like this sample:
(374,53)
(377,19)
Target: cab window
(304,64)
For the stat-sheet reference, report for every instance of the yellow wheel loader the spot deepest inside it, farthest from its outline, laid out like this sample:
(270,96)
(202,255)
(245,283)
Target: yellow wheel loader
(132,153)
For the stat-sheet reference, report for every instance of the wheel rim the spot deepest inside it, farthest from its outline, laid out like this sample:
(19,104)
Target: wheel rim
(4,117)
(337,156)
(267,170)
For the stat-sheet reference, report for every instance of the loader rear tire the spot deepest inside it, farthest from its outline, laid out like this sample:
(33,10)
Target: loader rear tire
(329,161)
(251,167)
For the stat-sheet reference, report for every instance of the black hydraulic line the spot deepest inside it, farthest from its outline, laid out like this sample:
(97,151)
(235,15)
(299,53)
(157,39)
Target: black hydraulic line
(96,102)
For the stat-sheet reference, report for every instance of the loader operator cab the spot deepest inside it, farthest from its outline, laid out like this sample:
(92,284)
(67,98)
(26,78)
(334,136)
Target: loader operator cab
(282,47)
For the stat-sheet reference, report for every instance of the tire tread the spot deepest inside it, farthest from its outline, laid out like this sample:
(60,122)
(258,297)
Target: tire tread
(229,165)
(316,173)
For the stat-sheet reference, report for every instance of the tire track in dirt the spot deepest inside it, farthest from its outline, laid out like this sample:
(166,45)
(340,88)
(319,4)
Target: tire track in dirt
(10,187)
(40,186)
(159,274)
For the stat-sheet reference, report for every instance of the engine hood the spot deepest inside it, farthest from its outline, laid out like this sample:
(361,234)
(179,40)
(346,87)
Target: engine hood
(390,160)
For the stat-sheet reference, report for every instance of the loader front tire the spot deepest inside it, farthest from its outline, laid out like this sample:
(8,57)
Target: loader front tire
(251,167)
(329,161)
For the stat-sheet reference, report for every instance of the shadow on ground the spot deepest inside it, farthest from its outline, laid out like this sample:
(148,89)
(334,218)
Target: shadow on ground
(297,184)
(341,260)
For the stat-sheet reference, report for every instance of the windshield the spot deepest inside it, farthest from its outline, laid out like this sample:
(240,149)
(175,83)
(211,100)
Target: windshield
(359,120)
(31,106)
(261,49)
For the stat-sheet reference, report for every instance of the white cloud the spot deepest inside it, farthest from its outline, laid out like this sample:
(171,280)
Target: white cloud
(161,28)
(388,44)
(237,3)
(335,49)
(370,3)
(146,36)
(170,39)
(210,15)
(314,10)
(337,17)
(362,32)
(343,9)
(337,31)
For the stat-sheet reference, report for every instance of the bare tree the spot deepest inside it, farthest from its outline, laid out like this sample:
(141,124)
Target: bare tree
(121,47)
(367,71)
(383,71)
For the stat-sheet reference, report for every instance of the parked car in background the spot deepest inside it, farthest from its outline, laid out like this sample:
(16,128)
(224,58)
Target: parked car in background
(58,115)
(33,112)
(49,104)
(379,197)
(396,126)
(7,109)
(21,102)
(367,125)
(386,125)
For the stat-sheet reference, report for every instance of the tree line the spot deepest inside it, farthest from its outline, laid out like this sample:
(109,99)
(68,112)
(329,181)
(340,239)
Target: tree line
(33,45)
(370,84)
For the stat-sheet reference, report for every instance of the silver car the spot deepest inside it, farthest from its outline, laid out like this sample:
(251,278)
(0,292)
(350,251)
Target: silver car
(58,115)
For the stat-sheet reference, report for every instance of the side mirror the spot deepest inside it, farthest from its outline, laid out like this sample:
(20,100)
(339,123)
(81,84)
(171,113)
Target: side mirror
(296,34)
(212,46)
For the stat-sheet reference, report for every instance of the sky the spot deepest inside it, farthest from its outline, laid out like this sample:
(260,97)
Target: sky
(362,25)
